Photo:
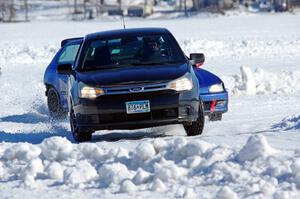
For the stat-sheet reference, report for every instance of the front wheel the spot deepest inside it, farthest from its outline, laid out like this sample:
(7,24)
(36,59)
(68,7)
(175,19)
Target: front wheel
(196,128)
(78,134)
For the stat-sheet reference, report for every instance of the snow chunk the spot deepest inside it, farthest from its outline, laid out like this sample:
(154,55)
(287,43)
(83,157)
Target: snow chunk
(55,171)
(296,172)
(2,170)
(114,173)
(226,193)
(256,146)
(141,176)
(193,148)
(159,144)
(91,151)
(145,151)
(127,187)
(82,172)
(248,80)
(158,185)
(170,172)
(23,151)
(28,176)
(56,148)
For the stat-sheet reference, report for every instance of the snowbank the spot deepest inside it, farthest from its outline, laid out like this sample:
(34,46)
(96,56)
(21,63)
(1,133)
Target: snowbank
(25,53)
(179,167)
(246,47)
(232,48)
(262,82)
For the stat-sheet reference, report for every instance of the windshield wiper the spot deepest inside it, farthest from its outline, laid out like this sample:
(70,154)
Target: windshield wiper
(101,67)
(147,63)
(154,63)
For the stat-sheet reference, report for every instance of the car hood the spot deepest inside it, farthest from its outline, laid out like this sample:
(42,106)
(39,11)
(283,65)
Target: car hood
(134,74)
(206,79)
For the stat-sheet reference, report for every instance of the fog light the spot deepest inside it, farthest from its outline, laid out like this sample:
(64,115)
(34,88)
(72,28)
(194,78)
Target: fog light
(184,111)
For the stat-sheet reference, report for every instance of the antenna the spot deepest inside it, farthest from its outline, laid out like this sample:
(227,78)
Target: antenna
(123,21)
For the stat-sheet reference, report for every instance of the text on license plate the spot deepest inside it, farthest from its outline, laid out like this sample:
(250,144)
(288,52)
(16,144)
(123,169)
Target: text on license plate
(138,107)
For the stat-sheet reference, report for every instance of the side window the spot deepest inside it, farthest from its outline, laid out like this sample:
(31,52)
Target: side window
(68,54)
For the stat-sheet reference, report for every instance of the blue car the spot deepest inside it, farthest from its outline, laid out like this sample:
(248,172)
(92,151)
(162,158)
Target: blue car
(126,49)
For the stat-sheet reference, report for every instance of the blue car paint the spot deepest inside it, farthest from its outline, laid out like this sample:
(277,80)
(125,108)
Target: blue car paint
(205,78)
(59,81)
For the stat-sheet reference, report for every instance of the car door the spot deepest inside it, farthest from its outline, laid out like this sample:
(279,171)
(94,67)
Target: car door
(67,56)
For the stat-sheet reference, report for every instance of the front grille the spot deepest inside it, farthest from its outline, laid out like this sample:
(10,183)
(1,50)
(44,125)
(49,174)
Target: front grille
(135,88)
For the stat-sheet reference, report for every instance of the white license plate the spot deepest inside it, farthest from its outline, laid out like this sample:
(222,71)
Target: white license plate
(138,107)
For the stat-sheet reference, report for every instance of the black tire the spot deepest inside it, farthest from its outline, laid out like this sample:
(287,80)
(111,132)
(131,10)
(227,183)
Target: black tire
(196,128)
(78,134)
(55,110)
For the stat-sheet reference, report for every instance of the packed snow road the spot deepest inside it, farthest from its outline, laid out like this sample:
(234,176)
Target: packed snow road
(252,153)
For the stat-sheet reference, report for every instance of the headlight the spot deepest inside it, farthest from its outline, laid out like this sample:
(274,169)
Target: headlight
(181,84)
(89,92)
(216,88)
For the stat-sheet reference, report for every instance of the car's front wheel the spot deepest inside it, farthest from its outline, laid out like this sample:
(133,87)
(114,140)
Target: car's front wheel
(78,134)
(53,103)
(196,128)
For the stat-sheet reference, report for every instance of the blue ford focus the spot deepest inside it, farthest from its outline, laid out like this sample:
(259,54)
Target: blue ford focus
(129,79)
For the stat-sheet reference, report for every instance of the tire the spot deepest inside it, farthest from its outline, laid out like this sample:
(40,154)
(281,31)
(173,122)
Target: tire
(55,110)
(78,134)
(196,128)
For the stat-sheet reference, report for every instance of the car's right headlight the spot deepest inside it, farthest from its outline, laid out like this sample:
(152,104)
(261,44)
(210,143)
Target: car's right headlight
(89,92)
(216,88)
(181,84)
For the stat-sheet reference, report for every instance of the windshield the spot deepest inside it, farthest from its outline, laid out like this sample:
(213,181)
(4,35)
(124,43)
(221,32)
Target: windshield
(130,50)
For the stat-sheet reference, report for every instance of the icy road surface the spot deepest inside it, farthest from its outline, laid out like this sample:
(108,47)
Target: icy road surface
(252,153)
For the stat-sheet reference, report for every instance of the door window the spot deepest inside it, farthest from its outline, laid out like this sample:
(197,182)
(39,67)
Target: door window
(68,54)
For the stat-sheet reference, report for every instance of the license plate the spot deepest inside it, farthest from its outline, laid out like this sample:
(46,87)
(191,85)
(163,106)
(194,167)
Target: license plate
(138,107)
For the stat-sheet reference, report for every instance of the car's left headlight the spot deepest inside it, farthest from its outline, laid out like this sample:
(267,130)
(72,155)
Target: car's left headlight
(89,92)
(216,88)
(183,83)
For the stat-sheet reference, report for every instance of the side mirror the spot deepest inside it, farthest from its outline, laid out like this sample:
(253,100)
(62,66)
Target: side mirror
(197,59)
(65,69)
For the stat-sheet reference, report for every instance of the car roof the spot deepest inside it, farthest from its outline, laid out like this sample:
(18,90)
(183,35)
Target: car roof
(122,32)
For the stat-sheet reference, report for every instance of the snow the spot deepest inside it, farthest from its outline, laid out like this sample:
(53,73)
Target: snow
(289,123)
(262,82)
(56,148)
(226,193)
(163,172)
(55,171)
(252,153)
(82,172)
(256,147)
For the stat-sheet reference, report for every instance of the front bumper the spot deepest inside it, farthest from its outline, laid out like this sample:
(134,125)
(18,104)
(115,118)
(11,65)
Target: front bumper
(220,105)
(109,111)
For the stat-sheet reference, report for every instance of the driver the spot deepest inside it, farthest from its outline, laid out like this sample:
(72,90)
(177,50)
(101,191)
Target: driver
(151,49)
